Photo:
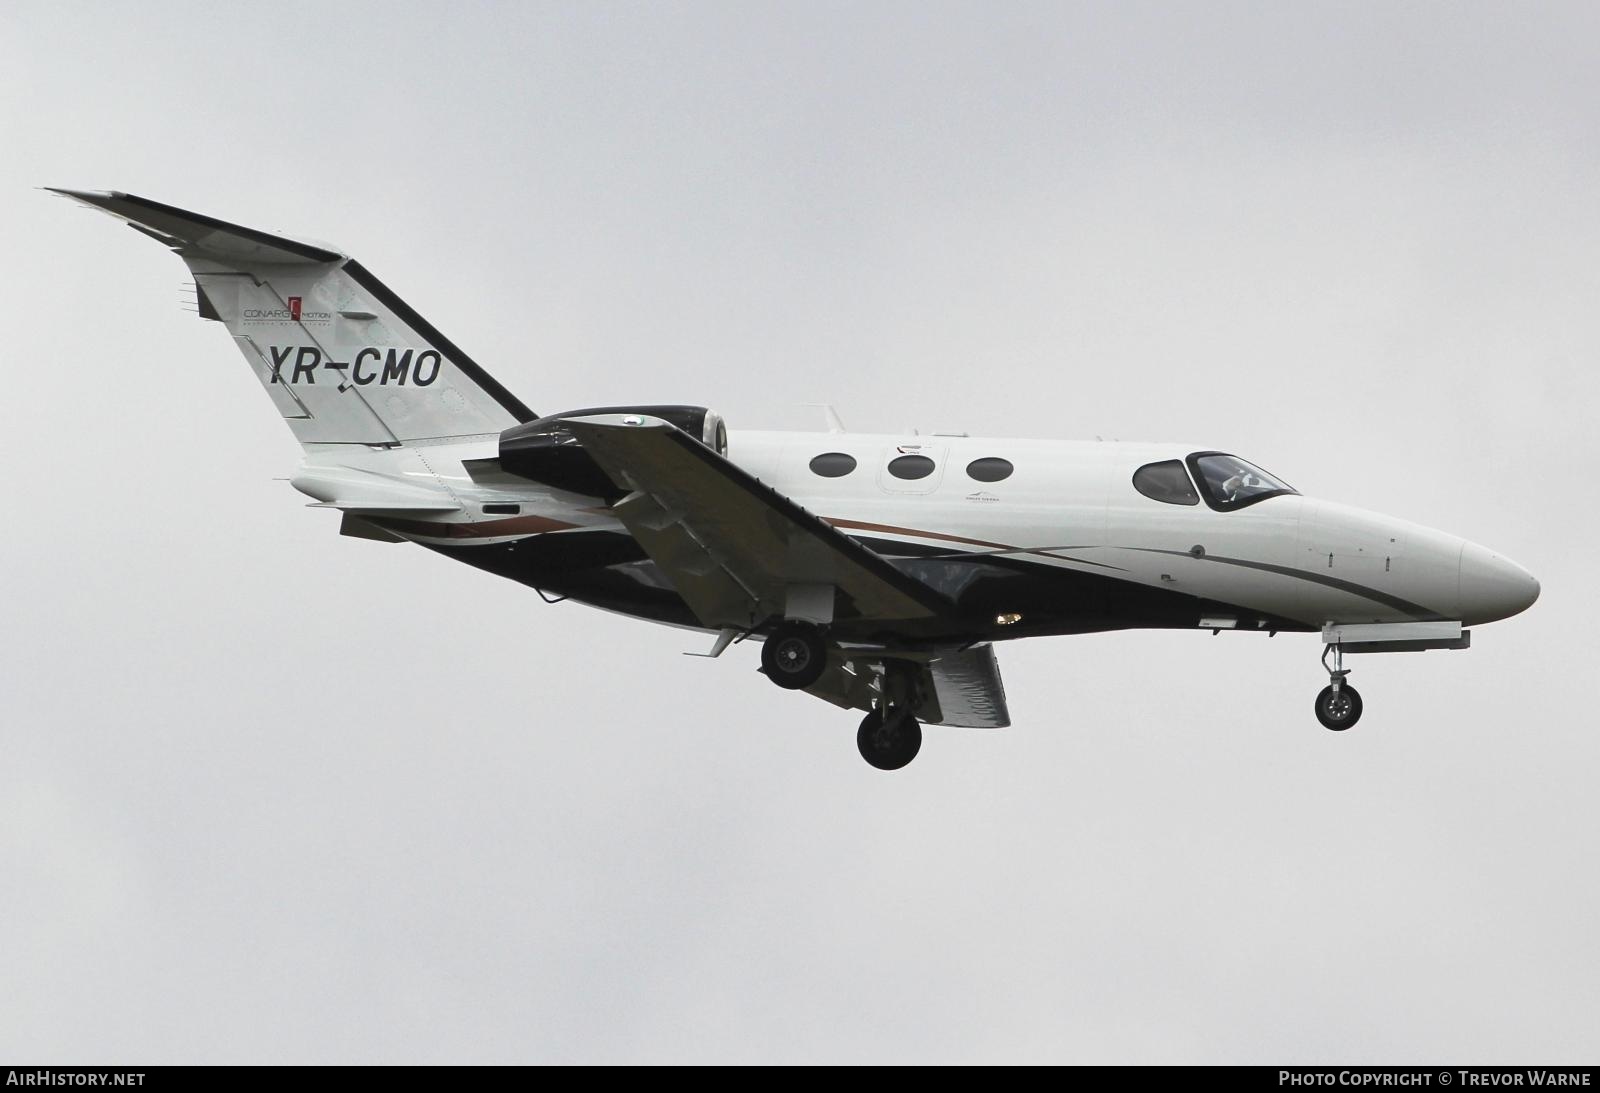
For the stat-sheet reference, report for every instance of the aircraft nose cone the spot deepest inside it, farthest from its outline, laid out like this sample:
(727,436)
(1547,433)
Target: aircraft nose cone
(1493,587)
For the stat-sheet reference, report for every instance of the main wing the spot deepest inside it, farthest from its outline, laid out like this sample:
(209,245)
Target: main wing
(739,552)
(736,550)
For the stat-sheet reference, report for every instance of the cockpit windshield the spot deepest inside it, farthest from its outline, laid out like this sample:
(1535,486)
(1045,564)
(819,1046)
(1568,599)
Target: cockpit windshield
(1229,482)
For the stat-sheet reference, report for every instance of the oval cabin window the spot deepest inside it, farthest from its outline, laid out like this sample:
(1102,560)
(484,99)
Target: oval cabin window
(833,464)
(911,467)
(990,469)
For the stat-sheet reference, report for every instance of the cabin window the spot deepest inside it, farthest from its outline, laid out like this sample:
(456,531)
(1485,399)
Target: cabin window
(1231,483)
(911,467)
(1167,482)
(833,464)
(991,468)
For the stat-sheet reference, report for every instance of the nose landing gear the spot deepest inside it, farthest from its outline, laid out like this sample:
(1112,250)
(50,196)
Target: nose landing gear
(1338,704)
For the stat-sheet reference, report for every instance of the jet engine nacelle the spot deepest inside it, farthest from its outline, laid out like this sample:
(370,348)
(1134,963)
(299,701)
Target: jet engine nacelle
(547,452)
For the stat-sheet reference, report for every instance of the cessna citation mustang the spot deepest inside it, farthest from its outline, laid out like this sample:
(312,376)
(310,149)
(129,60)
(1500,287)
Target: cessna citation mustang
(876,571)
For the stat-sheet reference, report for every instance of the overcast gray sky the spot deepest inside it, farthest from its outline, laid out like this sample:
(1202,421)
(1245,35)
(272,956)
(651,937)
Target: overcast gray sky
(268,794)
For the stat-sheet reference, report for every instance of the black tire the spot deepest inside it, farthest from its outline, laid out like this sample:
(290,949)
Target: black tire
(1338,713)
(889,744)
(794,656)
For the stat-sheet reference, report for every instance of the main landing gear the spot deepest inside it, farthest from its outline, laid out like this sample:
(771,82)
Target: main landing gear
(1338,704)
(794,656)
(889,739)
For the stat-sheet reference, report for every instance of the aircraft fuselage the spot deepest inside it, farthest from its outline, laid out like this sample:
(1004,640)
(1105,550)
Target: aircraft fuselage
(1063,543)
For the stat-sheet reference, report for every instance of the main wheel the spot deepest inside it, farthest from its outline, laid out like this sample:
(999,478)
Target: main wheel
(794,656)
(889,743)
(1339,711)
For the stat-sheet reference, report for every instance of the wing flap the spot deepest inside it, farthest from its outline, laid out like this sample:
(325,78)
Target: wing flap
(960,688)
(969,690)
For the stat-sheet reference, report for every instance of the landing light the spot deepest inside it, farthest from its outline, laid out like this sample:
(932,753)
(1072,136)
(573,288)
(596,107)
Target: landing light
(1007,619)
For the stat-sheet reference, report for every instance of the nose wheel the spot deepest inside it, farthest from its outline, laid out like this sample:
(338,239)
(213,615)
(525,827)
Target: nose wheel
(1338,710)
(1338,704)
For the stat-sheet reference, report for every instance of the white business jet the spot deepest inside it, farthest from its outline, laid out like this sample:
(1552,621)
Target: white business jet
(877,572)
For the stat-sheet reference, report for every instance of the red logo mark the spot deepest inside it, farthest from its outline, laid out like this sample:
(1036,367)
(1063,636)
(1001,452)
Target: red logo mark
(294,308)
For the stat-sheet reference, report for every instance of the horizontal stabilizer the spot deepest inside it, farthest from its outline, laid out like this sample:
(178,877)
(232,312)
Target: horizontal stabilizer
(192,234)
(350,489)
(376,508)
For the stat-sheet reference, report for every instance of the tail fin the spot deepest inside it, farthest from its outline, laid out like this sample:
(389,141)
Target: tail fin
(344,359)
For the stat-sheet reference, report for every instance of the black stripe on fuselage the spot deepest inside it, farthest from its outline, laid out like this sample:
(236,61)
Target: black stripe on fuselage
(1057,599)
(609,569)
(606,569)
(895,548)
(1373,594)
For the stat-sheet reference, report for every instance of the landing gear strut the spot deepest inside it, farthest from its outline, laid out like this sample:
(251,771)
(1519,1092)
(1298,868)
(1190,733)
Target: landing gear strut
(889,740)
(1338,704)
(794,656)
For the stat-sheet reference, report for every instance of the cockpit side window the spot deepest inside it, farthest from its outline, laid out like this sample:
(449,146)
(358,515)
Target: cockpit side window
(1229,482)
(1166,481)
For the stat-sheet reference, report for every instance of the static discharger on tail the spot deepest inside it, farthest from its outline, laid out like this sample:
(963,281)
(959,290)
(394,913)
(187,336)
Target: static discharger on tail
(876,572)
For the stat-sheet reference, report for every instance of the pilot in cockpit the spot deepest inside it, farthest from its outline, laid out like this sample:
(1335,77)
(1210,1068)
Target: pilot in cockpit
(1236,482)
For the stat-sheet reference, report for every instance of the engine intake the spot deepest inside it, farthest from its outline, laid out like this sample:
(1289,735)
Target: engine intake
(545,451)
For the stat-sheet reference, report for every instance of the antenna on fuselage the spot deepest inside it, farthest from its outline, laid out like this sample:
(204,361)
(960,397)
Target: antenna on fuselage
(830,415)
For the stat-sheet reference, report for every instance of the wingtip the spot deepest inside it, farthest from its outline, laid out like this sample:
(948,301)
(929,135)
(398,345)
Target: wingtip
(94,198)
